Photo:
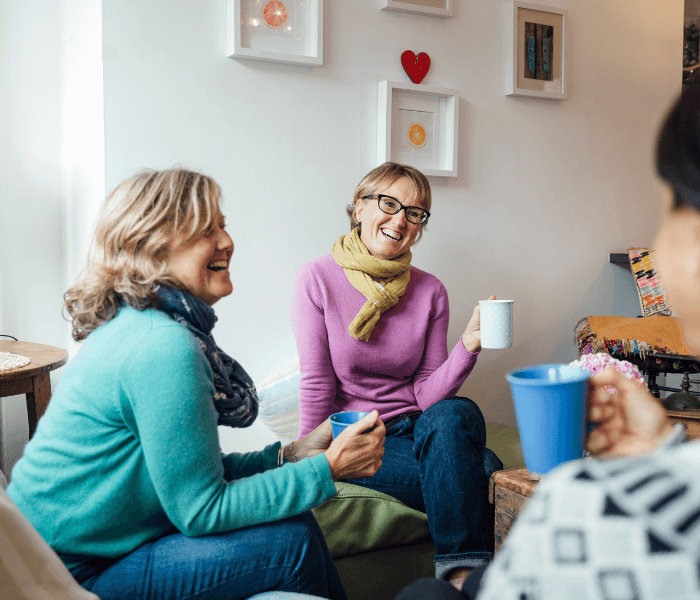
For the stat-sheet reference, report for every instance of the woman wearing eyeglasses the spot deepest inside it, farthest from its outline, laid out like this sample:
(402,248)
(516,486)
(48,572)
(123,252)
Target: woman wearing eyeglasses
(371,331)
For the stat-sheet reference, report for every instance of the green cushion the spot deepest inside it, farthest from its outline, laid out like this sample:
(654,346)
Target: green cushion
(505,442)
(359,519)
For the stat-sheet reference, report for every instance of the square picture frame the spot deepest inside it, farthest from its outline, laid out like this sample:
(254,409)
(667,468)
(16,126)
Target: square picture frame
(432,8)
(536,51)
(279,31)
(418,125)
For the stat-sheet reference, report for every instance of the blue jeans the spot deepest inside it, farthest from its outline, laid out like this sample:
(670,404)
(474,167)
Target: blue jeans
(286,556)
(437,462)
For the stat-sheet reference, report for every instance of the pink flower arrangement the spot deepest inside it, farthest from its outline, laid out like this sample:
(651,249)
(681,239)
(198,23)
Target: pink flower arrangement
(595,363)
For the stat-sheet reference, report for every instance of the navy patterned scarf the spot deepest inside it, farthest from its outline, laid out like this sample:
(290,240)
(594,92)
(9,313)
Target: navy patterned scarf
(235,398)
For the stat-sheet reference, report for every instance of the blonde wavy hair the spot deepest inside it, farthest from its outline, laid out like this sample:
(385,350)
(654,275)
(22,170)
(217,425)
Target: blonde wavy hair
(385,176)
(137,224)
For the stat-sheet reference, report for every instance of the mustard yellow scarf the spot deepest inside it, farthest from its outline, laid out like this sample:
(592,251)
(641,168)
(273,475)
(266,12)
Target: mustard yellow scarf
(382,282)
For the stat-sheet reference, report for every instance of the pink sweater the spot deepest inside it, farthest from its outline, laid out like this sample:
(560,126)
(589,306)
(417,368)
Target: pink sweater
(403,367)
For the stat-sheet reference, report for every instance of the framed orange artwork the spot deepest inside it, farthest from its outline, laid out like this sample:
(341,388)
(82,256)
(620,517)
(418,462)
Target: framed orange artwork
(417,125)
(282,31)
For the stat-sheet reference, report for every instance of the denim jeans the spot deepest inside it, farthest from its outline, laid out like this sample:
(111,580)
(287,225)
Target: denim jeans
(286,556)
(437,462)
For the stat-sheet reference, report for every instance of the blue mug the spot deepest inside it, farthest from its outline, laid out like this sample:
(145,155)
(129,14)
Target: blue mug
(339,421)
(550,406)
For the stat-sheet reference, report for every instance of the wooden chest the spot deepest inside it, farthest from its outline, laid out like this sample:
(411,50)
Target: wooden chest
(508,492)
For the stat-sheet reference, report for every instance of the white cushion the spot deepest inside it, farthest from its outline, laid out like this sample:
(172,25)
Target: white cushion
(279,400)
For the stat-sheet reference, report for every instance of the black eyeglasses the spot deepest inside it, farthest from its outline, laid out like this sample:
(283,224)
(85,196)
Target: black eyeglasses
(391,206)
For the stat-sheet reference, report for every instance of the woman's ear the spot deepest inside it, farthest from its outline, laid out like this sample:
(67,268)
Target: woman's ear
(359,207)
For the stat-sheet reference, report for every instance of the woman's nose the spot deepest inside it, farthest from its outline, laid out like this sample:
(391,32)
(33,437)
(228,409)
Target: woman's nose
(400,217)
(225,242)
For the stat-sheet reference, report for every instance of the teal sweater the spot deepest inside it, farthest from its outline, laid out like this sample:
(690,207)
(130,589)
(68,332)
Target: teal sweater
(128,448)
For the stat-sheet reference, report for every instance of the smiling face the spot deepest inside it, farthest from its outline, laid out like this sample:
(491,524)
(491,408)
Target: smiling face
(201,265)
(388,236)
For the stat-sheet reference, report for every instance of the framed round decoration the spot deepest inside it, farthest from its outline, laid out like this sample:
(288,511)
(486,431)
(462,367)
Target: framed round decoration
(418,125)
(281,31)
(274,14)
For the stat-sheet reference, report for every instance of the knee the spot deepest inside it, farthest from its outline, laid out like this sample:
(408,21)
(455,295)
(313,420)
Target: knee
(491,462)
(302,536)
(302,526)
(459,416)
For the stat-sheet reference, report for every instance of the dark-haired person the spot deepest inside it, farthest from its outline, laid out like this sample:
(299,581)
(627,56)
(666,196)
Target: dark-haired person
(371,331)
(627,527)
(124,477)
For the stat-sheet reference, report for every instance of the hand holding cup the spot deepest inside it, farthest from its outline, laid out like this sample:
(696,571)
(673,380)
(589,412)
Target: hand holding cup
(471,338)
(357,451)
(629,421)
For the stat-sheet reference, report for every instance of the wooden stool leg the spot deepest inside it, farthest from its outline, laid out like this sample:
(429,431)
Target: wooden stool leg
(38,400)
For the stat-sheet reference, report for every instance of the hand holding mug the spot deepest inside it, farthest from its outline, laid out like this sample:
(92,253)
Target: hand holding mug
(357,452)
(628,421)
(471,338)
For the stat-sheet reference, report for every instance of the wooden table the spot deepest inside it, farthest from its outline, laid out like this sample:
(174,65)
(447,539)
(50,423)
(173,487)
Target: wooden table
(508,492)
(32,379)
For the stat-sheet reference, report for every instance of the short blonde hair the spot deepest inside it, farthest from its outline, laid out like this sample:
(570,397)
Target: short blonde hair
(385,176)
(128,254)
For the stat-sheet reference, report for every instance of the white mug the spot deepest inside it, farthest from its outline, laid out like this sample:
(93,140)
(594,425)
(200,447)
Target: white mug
(496,323)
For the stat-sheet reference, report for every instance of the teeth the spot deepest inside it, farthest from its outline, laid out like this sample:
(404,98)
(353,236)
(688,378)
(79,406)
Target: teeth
(219,264)
(392,235)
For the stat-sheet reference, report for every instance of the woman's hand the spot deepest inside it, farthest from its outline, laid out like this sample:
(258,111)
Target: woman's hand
(357,454)
(471,338)
(315,442)
(627,422)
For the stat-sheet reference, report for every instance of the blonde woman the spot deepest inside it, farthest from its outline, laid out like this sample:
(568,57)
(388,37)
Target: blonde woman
(124,477)
(371,330)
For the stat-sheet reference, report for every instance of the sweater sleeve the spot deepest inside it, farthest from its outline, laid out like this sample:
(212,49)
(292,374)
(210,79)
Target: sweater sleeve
(167,402)
(318,384)
(439,376)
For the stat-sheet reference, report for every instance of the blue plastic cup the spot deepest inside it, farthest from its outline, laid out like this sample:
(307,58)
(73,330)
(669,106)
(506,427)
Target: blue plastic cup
(339,421)
(550,406)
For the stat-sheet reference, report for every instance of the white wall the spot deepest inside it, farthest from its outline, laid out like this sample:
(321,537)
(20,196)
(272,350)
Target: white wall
(31,265)
(545,189)
(52,174)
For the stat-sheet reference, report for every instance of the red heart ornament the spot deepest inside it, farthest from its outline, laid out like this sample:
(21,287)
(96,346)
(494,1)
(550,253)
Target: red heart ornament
(416,67)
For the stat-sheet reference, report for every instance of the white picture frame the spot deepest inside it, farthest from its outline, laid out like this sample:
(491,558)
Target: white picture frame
(526,70)
(404,109)
(442,9)
(291,34)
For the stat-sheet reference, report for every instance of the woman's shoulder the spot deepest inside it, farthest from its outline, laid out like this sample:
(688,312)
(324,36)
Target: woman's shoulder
(426,281)
(148,318)
(321,263)
(322,267)
(150,327)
